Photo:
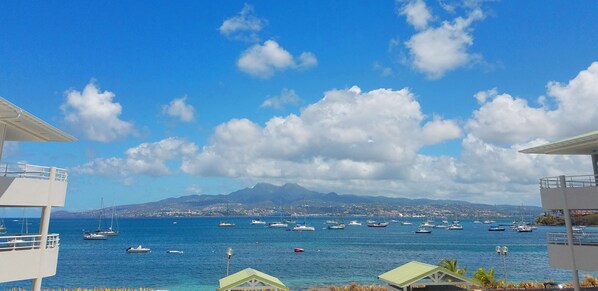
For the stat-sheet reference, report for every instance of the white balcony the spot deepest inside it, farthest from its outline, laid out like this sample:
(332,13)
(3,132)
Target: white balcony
(23,185)
(585,250)
(24,257)
(581,192)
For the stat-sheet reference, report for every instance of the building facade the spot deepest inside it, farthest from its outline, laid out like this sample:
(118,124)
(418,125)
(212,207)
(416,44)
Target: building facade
(575,248)
(29,256)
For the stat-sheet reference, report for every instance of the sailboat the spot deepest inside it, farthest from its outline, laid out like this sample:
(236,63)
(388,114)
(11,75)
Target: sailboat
(226,223)
(110,231)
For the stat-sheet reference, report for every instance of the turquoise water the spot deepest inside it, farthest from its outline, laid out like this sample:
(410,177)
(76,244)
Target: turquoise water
(358,253)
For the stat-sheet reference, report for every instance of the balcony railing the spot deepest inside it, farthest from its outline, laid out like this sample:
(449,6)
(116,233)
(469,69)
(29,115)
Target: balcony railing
(570,181)
(20,170)
(27,242)
(579,238)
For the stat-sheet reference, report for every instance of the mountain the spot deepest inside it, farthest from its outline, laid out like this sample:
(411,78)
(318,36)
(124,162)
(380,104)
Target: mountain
(266,199)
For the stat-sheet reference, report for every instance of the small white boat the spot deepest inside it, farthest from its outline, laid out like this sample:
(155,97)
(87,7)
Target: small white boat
(524,228)
(138,250)
(406,223)
(302,227)
(174,252)
(337,226)
(225,224)
(94,236)
(455,226)
(477,222)
(331,221)
(427,224)
(378,224)
(489,221)
(278,225)
(257,222)
(354,223)
(423,230)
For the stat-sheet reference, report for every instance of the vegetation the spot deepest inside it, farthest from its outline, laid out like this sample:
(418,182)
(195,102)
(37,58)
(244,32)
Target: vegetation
(589,281)
(555,218)
(451,265)
(486,278)
(549,219)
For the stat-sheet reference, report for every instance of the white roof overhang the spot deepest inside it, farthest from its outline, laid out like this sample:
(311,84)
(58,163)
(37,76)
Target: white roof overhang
(24,126)
(585,144)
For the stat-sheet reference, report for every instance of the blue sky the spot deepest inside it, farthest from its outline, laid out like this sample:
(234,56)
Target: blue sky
(398,98)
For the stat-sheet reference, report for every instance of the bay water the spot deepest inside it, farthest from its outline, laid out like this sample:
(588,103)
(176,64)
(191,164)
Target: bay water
(331,257)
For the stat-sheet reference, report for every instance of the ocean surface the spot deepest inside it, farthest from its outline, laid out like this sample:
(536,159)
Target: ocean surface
(358,253)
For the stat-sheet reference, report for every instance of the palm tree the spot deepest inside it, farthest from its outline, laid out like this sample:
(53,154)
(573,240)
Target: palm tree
(451,265)
(486,278)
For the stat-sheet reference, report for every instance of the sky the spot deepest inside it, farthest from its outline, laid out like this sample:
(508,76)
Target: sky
(416,99)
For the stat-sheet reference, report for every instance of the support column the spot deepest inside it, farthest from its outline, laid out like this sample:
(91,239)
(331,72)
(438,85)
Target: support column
(44,225)
(569,228)
(595,167)
(2,136)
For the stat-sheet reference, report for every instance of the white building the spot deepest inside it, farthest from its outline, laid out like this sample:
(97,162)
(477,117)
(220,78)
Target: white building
(571,249)
(29,256)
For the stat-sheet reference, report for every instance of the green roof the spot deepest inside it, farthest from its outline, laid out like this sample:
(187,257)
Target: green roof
(243,276)
(585,144)
(414,271)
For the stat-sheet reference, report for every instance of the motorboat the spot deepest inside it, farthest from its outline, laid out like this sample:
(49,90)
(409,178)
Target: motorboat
(138,250)
(455,226)
(298,250)
(496,228)
(477,222)
(258,222)
(354,223)
(423,230)
(489,221)
(225,224)
(278,225)
(303,227)
(524,228)
(174,252)
(94,236)
(427,223)
(406,223)
(378,224)
(331,221)
(337,226)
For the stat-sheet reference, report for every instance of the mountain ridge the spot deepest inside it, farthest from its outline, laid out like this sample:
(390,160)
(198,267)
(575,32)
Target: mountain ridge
(265,199)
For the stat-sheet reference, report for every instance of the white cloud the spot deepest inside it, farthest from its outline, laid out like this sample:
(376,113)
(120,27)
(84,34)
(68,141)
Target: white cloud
(264,60)
(147,158)
(179,109)
(346,134)
(436,50)
(244,26)
(506,119)
(95,115)
(417,13)
(286,97)
(384,71)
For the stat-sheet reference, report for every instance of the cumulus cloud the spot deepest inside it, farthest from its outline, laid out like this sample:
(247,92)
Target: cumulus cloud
(349,133)
(436,50)
(505,119)
(286,97)
(263,61)
(147,158)
(417,13)
(244,26)
(94,114)
(180,109)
